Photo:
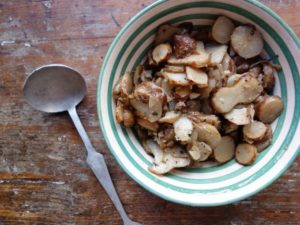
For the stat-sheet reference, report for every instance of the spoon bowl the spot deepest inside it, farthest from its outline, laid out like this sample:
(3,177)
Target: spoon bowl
(54,88)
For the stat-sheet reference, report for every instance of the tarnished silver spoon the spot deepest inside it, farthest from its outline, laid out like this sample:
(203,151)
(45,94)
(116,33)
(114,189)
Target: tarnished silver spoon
(57,88)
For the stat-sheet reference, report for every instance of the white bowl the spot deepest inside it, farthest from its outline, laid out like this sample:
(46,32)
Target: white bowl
(216,185)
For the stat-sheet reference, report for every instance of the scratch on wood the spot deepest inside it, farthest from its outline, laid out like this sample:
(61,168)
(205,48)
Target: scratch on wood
(115,21)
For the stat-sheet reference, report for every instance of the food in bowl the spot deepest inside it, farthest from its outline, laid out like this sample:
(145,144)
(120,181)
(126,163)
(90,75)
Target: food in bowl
(201,95)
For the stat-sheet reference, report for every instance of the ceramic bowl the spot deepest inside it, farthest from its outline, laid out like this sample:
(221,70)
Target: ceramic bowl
(218,185)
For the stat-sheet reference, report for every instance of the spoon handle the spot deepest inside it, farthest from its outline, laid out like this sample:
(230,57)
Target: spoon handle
(97,163)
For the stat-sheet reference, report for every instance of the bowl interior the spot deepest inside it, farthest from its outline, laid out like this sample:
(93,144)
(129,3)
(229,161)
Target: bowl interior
(215,185)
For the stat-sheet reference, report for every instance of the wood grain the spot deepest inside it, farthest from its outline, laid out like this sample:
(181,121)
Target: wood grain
(43,175)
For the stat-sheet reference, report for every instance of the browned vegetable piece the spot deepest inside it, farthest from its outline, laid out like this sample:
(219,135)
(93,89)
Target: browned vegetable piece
(150,60)
(199,59)
(225,149)
(228,64)
(199,151)
(182,92)
(254,131)
(174,157)
(165,33)
(128,118)
(183,128)
(246,90)
(199,117)
(268,78)
(174,69)
(255,71)
(243,68)
(137,74)
(245,154)
(208,133)
(179,79)
(247,41)
(170,117)
(142,109)
(241,115)
(217,53)
(197,76)
(266,141)
(222,30)
(148,125)
(161,53)
(119,112)
(268,110)
(184,45)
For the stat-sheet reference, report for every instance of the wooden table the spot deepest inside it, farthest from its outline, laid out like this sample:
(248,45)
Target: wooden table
(43,175)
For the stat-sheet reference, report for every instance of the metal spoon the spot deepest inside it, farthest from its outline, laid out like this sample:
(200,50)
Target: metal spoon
(57,88)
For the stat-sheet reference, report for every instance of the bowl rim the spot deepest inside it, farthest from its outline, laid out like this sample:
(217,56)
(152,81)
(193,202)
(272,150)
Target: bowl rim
(100,118)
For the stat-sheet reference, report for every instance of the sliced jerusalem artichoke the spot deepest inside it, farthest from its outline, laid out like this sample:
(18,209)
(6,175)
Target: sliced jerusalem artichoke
(208,133)
(147,124)
(161,53)
(217,53)
(194,95)
(117,89)
(174,69)
(263,145)
(142,109)
(246,90)
(175,78)
(247,41)
(165,33)
(155,108)
(119,112)
(128,118)
(170,117)
(200,151)
(241,115)
(195,60)
(254,131)
(150,60)
(126,85)
(268,78)
(154,149)
(167,88)
(182,92)
(222,30)
(225,149)
(149,92)
(233,79)
(184,45)
(137,74)
(199,117)
(200,48)
(266,141)
(245,154)
(183,128)
(197,76)
(172,158)
(269,109)
(228,64)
